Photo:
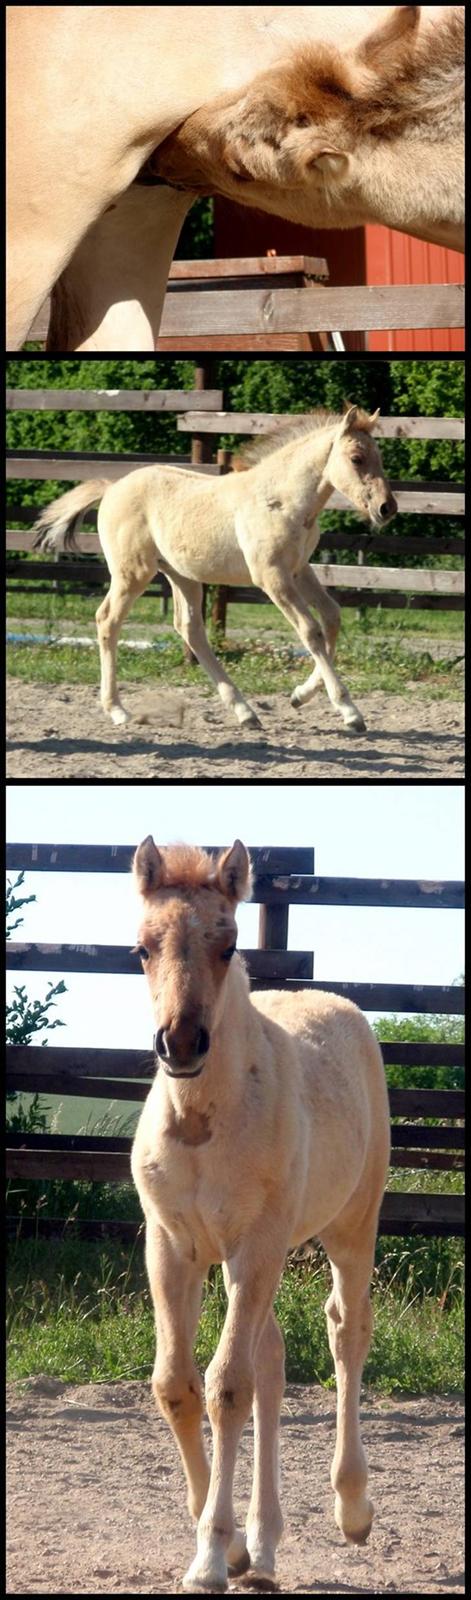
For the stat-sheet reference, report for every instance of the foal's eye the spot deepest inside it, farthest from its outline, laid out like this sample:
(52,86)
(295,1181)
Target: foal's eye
(357,461)
(140,950)
(226,954)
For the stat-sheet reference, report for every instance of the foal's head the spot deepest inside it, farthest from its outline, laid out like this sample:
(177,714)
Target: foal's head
(186,941)
(354,467)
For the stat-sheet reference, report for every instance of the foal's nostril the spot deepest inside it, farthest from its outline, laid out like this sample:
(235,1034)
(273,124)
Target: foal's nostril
(202,1042)
(385,509)
(161,1043)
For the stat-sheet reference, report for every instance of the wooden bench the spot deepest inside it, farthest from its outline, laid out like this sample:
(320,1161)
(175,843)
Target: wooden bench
(284,877)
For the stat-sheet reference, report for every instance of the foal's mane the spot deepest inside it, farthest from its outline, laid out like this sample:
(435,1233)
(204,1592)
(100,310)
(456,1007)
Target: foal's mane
(186,866)
(255,449)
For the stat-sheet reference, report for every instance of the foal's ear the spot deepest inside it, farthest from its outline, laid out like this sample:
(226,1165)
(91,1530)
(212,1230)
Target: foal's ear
(349,420)
(381,47)
(373,419)
(234,873)
(147,867)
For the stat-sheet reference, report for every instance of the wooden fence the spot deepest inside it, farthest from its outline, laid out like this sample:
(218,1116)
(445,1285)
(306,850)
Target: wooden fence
(283,878)
(266,303)
(202,417)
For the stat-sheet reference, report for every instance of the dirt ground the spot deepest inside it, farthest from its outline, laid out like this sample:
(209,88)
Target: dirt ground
(57,733)
(96,1499)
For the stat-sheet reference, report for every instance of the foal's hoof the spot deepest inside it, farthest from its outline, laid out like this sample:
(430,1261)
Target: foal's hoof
(236,1568)
(355,722)
(204,1583)
(355,1525)
(249,719)
(296,699)
(119,716)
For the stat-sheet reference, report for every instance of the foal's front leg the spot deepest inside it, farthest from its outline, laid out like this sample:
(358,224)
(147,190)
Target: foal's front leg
(176,1287)
(283,589)
(251,1277)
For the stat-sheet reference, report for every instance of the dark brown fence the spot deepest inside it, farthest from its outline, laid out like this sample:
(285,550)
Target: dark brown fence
(283,877)
(202,417)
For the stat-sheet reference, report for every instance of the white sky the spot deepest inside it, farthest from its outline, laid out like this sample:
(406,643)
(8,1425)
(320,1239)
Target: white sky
(405,831)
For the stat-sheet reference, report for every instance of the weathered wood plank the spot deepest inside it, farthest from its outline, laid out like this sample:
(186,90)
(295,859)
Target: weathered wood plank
(68,1083)
(273,884)
(427,1103)
(262,422)
(81,574)
(398,545)
(263,967)
(400,1213)
(418,998)
(403,1136)
(248,266)
(276,964)
(408,580)
(279,877)
(114,400)
(111,1066)
(420,1213)
(273,310)
(75,467)
(118,858)
(313,310)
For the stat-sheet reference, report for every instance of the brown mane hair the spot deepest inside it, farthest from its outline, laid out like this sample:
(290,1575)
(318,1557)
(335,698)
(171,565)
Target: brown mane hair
(186,866)
(254,451)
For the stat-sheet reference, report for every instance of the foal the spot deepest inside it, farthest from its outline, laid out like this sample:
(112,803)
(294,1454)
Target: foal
(257,528)
(267,1122)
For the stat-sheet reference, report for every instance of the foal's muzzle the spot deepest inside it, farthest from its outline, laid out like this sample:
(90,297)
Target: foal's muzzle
(180,1050)
(384,511)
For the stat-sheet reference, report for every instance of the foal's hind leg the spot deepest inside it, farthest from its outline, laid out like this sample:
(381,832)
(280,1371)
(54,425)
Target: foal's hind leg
(317,595)
(350,1326)
(188,621)
(285,592)
(109,620)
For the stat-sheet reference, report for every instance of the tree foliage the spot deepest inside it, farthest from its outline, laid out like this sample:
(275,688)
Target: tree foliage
(25,1019)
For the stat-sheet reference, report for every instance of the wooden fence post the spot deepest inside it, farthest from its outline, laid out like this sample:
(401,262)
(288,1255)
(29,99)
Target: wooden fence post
(200,452)
(273,927)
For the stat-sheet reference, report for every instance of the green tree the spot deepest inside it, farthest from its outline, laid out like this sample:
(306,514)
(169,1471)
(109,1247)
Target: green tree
(25,1018)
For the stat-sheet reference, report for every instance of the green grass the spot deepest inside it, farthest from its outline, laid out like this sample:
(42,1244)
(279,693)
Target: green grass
(81,1312)
(368,661)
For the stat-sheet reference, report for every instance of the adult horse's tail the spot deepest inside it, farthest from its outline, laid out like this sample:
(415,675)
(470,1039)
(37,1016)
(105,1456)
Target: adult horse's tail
(58,524)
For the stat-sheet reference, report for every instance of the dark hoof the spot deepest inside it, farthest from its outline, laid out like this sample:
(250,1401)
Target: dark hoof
(235,1570)
(359,1538)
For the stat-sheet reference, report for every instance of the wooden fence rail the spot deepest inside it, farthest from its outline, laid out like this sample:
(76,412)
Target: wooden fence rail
(429,1133)
(251,310)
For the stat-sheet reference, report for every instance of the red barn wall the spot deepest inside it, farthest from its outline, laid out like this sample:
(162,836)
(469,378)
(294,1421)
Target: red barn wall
(392,257)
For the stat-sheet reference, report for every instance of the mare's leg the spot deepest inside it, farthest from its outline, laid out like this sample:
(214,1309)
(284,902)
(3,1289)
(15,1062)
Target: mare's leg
(252,1277)
(109,619)
(111,293)
(350,1325)
(317,595)
(285,592)
(265,1522)
(188,621)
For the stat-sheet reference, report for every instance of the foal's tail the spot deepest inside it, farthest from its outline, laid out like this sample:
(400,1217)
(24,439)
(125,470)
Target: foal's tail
(58,524)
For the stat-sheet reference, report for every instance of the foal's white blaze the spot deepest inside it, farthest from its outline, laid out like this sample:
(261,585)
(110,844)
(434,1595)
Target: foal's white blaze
(257,526)
(282,1135)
